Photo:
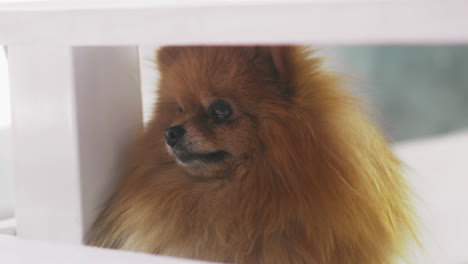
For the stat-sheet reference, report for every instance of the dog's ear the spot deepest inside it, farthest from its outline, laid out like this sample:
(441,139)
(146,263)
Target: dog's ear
(165,56)
(282,61)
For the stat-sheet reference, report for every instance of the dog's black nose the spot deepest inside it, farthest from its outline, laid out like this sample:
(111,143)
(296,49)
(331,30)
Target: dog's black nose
(174,134)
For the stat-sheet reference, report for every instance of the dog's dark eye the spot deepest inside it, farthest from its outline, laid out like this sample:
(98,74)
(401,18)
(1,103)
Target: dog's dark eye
(220,110)
(179,109)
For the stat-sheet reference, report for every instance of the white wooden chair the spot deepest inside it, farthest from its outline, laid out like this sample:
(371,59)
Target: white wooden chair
(74,74)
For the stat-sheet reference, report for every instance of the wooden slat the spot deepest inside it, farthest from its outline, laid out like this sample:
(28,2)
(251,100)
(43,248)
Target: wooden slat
(315,22)
(74,112)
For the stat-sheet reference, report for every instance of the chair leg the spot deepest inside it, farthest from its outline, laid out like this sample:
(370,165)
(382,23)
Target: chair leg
(74,110)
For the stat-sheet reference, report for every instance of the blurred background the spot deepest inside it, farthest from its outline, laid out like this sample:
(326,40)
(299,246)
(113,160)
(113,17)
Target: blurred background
(419,97)
(416,91)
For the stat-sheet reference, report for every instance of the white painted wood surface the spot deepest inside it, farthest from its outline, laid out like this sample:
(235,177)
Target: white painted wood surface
(74,111)
(229,22)
(19,251)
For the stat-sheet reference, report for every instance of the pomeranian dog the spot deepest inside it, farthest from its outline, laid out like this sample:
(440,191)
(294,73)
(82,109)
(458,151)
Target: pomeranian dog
(258,155)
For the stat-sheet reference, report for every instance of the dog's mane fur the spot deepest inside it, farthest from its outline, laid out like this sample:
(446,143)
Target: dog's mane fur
(337,196)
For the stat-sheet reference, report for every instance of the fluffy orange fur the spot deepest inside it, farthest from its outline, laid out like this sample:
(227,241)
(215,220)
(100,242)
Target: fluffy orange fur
(308,178)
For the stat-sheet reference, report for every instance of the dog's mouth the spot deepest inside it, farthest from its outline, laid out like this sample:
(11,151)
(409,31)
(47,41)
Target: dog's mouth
(188,157)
